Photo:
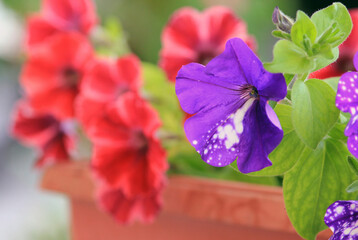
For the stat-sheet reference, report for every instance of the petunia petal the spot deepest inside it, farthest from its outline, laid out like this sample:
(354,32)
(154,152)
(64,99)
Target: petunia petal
(126,209)
(135,112)
(347,92)
(355,59)
(198,91)
(342,218)
(352,144)
(223,24)
(261,135)
(38,30)
(237,65)
(183,28)
(272,86)
(213,135)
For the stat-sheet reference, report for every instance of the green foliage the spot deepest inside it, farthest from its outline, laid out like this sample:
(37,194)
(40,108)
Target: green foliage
(316,181)
(313,42)
(333,24)
(110,39)
(353,187)
(353,163)
(303,32)
(290,150)
(289,58)
(161,94)
(313,110)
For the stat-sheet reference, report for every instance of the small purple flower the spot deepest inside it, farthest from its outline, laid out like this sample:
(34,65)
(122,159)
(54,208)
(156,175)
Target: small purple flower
(342,218)
(229,98)
(347,101)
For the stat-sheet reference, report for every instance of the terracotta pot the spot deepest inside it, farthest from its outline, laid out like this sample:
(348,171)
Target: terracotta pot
(194,209)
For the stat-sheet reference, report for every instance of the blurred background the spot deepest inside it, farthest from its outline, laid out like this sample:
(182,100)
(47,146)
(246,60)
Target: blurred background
(28,213)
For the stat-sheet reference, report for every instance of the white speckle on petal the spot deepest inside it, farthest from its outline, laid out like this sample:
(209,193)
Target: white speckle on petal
(339,209)
(240,114)
(195,142)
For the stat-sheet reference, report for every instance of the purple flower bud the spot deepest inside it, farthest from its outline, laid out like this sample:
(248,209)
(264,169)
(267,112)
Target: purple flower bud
(282,22)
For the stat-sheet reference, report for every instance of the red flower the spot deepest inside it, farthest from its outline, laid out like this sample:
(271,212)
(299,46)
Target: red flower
(191,36)
(61,16)
(53,138)
(128,159)
(53,72)
(128,209)
(103,82)
(347,50)
(127,155)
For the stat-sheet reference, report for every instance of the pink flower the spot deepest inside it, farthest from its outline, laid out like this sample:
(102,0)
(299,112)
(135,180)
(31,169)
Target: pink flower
(60,16)
(191,36)
(103,82)
(53,73)
(53,139)
(128,158)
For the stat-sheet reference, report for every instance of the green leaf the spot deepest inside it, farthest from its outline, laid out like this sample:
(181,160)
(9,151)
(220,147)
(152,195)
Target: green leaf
(289,151)
(284,113)
(337,132)
(303,26)
(161,94)
(333,82)
(353,187)
(280,34)
(314,112)
(110,40)
(335,16)
(353,163)
(321,61)
(289,58)
(314,183)
(288,78)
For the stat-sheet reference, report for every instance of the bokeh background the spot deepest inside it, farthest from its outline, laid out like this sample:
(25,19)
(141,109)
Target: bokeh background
(28,213)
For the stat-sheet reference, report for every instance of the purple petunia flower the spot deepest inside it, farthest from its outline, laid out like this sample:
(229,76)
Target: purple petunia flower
(229,98)
(342,218)
(347,101)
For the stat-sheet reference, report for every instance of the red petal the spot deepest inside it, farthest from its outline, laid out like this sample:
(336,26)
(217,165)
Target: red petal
(125,168)
(222,24)
(126,210)
(129,71)
(99,82)
(76,15)
(350,46)
(326,72)
(31,128)
(39,29)
(183,28)
(55,151)
(105,131)
(135,113)
(172,63)
(58,102)
(88,111)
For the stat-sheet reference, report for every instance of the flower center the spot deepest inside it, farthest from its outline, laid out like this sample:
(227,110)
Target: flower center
(139,141)
(248,91)
(205,54)
(70,76)
(345,63)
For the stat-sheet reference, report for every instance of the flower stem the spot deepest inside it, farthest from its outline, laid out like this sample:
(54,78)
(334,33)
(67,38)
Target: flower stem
(300,77)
